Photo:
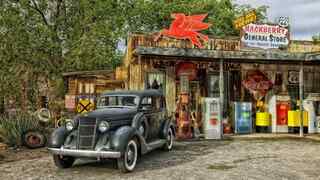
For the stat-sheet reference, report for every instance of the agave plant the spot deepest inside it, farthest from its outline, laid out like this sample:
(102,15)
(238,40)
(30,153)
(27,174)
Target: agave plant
(13,127)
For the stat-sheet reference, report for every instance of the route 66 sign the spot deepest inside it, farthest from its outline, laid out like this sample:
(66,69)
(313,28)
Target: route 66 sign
(283,21)
(293,77)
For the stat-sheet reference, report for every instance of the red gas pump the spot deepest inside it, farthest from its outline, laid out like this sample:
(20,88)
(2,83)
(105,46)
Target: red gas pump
(282,113)
(184,130)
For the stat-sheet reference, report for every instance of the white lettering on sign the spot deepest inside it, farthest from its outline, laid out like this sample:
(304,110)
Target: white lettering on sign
(264,36)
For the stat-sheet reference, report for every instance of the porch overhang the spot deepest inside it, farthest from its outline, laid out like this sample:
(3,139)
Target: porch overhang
(260,55)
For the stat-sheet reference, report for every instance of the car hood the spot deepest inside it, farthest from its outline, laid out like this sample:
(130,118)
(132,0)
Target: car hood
(112,113)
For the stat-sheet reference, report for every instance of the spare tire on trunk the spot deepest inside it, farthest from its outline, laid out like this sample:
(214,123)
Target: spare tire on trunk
(34,139)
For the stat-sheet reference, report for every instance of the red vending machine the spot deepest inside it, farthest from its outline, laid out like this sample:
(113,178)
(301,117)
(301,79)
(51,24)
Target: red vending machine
(278,108)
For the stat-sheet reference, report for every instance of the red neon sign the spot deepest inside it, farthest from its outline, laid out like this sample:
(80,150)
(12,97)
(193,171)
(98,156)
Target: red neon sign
(186,27)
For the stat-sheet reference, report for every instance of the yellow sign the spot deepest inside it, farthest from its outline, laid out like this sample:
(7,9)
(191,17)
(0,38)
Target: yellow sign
(85,105)
(246,19)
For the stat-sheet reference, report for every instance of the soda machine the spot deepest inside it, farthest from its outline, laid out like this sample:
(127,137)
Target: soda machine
(211,118)
(243,117)
(278,108)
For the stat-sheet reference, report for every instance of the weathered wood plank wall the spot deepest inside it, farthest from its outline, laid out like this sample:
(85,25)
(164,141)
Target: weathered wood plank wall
(171,89)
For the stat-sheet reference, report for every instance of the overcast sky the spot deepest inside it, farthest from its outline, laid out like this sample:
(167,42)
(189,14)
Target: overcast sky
(304,15)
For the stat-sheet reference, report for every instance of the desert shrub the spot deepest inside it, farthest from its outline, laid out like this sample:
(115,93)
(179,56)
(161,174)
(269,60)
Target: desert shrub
(12,127)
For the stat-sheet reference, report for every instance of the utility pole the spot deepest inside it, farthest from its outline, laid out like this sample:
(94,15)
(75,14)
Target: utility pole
(221,88)
(301,98)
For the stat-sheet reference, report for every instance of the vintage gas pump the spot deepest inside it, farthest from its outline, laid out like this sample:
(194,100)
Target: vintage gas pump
(211,118)
(184,123)
(279,107)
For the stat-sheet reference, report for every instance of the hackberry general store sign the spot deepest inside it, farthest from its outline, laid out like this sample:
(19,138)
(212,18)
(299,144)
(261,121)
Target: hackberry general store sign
(264,36)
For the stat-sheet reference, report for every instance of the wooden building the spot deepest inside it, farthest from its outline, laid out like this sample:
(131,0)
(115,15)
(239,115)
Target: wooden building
(88,85)
(162,64)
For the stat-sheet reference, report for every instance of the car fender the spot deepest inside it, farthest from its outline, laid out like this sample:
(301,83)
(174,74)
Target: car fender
(121,137)
(57,137)
(137,120)
(165,126)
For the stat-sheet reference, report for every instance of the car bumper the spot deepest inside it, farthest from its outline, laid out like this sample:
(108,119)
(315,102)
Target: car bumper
(84,153)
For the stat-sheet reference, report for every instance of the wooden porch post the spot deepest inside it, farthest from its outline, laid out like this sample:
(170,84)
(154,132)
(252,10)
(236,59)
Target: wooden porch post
(221,89)
(301,98)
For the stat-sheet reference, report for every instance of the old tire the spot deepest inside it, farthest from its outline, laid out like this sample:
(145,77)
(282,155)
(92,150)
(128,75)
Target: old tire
(34,139)
(128,160)
(63,161)
(169,140)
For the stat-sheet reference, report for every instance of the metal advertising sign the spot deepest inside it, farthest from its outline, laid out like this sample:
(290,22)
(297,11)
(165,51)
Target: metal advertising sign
(264,36)
(85,105)
(283,21)
(250,17)
(70,101)
(186,27)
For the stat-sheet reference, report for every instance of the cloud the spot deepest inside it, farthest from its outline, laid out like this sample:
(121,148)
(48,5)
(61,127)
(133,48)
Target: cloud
(304,14)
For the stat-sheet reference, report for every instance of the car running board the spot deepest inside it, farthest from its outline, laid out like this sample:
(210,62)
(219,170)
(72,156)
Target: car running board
(153,145)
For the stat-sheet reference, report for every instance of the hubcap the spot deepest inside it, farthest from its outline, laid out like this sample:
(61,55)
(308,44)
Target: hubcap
(34,140)
(131,155)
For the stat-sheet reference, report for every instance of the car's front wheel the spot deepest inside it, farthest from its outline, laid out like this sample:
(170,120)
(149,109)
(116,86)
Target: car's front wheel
(128,161)
(63,161)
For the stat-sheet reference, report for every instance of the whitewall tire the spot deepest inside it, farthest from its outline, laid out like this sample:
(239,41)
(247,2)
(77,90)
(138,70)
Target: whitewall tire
(128,161)
(169,140)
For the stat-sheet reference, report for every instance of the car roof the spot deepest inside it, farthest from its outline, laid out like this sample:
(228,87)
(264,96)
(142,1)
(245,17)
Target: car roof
(149,92)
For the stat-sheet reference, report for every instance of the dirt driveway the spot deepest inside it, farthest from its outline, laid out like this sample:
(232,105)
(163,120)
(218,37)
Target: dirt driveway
(239,158)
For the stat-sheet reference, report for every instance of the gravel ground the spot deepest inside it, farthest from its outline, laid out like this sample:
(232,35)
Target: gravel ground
(236,158)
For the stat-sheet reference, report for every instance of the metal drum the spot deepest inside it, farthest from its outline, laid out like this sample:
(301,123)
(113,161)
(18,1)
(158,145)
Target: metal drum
(294,121)
(262,121)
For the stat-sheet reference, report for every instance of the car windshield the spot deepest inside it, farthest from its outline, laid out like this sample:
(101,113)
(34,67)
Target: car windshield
(117,101)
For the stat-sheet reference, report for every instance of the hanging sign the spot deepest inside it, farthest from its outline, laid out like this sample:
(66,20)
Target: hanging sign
(264,36)
(250,17)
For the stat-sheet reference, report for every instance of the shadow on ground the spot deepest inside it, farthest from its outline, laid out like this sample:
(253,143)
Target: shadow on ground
(183,152)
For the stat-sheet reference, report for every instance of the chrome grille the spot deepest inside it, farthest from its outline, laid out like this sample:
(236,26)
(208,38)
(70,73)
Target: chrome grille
(87,132)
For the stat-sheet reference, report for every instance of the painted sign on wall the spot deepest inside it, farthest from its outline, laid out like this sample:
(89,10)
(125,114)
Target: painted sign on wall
(264,36)
(250,17)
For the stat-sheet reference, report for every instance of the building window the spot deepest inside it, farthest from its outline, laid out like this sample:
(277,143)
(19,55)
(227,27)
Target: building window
(213,84)
(310,82)
(155,80)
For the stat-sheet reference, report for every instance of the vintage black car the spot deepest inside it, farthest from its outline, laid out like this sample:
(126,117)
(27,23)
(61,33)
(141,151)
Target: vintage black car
(125,125)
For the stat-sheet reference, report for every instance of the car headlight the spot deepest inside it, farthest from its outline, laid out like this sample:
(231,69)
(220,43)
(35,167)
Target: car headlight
(103,126)
(69,125)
